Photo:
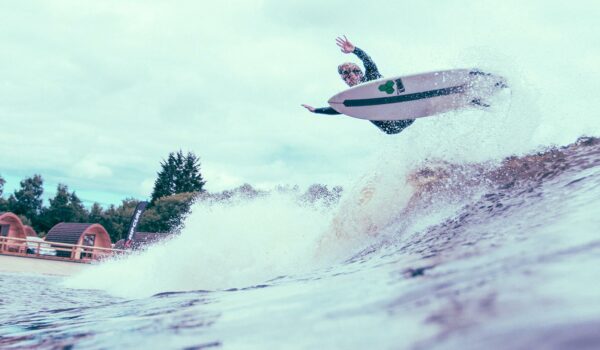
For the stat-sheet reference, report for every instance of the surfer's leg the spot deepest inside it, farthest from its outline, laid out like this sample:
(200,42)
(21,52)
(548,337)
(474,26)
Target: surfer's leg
(392,127)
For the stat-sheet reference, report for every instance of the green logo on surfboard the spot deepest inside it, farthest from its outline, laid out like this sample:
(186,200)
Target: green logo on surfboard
(388,87)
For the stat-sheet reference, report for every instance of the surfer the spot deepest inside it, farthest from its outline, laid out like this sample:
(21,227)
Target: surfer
(352,75)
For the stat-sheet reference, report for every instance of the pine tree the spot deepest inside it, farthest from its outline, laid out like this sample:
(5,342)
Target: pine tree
(165,182)
(189,177)
(178,174)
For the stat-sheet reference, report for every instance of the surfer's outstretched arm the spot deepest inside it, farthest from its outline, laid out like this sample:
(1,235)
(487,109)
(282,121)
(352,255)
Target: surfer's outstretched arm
(322,110)
(371,71)
(326,110)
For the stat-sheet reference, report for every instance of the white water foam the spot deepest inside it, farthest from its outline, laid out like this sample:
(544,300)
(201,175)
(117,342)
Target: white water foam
(223,245)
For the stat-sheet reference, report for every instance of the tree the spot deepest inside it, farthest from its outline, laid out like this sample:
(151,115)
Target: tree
(178,174)
(115,220)
(3,202)
(2,182)
(165,182)
(64,207)
(96,213)
(121,217)
(189,178)
(27,201)
(168,213)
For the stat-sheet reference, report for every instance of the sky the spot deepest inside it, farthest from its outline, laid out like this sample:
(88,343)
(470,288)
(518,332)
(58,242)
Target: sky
(95,95)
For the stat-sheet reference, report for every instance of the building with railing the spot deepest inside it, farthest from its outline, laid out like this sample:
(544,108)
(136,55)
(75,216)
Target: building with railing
(70,242)
(65,243)
(11,226)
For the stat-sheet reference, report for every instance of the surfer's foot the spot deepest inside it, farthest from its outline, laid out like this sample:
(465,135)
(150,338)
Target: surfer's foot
(392,127)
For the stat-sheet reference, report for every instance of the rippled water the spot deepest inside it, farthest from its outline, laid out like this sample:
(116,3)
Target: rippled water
(511,264)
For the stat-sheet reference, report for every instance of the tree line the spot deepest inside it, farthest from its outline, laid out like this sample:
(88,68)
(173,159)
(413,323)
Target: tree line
(178,184)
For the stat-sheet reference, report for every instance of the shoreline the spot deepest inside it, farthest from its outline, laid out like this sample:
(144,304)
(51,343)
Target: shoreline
(40,266)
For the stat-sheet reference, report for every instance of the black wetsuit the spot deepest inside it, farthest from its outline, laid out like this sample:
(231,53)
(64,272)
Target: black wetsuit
(371,73)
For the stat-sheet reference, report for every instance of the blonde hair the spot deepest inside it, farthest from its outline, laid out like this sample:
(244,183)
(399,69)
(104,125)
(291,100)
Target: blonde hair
(349,66)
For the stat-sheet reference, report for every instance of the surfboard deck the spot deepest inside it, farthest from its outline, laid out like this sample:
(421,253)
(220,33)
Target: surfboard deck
(419,95)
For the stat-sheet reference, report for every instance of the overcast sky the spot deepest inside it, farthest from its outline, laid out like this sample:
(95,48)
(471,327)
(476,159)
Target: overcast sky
(95,94)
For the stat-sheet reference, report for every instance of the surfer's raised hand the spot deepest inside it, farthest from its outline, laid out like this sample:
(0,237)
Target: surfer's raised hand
(310,108)
(345,45)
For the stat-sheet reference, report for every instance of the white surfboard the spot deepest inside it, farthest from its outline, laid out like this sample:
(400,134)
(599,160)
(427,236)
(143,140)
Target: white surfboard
(419,95)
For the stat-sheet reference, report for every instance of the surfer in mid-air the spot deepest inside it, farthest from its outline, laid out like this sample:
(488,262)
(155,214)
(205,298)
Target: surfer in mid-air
(353,75)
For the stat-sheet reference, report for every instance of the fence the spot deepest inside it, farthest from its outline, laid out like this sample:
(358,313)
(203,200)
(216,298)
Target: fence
(54,250)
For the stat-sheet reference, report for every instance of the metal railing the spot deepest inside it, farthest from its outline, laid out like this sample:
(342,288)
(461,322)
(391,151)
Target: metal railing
(62,251)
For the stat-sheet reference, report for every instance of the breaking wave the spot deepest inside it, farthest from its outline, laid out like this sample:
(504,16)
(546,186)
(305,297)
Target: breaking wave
(423,211)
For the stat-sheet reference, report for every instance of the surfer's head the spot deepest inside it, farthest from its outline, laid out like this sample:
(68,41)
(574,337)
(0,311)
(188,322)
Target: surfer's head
(350,73)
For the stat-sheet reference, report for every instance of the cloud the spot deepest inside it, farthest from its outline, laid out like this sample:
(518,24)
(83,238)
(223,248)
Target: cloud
(146,187)
(106,90)
(90,169)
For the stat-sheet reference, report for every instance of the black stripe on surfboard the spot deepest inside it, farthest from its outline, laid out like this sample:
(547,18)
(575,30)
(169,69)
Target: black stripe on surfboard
(405,98)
